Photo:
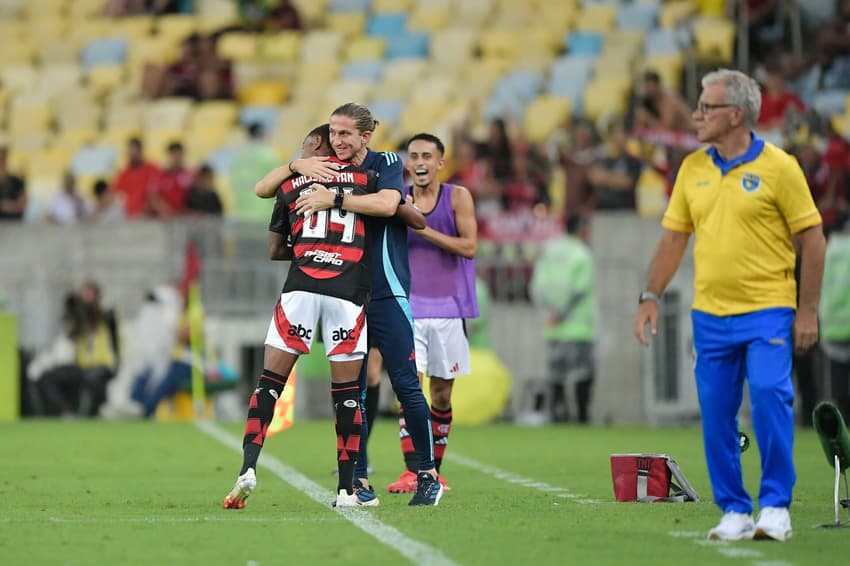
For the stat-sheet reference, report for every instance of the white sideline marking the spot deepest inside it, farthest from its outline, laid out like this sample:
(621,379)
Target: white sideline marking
(159,519)
(517,479)
(413,550)
(727,549)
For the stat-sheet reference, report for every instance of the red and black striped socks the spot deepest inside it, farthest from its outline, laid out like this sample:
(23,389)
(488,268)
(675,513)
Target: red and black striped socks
(349,421)
(260,413)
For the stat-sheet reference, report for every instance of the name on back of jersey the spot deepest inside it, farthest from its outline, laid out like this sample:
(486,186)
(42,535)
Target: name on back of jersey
(344,177)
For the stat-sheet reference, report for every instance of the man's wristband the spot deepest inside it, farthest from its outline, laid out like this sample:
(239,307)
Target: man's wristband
(291,170)
(648,296)
(338,200)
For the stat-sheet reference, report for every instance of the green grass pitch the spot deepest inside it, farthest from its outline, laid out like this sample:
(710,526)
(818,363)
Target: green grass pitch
(150,493)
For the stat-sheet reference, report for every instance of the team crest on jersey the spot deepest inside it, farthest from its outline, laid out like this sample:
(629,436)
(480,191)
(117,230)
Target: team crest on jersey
(750,182)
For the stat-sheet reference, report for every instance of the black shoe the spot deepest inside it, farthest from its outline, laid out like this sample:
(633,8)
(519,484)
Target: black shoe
(428,490)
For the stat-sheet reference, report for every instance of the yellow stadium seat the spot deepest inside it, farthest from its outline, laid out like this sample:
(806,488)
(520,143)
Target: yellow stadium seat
(52,159)
(349,24)
(625,39)
(12,32)
(295,117)
(132,27)
(118,137)
(154,49)
(281,47)
(543,115)
(474,13)
(364,48)
(156,142)
(204,140)
(176,26)
(44,9)
(315,75)
(380,6)
(668,66)
(17,52)
(81,115)
(542,40)
(605,97)
(167,113)
(54,79)
(238,46)
(714,40)
(501,42)
(213,23)
(429,19)
(402,74)
(420,116)
(597,17)
(263,93)
(17,158)
(15,78)
(341,92)
(439,88)
(104,78)
(561,15)
(58,51)
(29,113)
(453,46)
(44,30)
(76,138)
(31,140)
(311,12)
(82,9)
(218,112)
(83,31)
(125,116)
(672,13)
(321,45)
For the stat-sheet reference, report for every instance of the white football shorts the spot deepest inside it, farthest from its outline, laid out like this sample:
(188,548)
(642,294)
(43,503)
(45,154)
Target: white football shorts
(442,349)
(293,326)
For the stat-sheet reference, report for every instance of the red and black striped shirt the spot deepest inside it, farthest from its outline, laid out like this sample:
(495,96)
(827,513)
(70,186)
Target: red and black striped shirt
(330,254)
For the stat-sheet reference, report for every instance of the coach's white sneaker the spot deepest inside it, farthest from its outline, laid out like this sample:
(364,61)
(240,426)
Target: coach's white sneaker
(733,526)
(245,484)
(774,524)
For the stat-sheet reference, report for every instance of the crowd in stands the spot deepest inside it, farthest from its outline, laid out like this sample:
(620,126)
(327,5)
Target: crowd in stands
(583,166)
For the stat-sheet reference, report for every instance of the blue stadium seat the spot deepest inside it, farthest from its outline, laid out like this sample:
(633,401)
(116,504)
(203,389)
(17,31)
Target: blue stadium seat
(221,160)
(585,43)
(94,160)
(637,16)
(365,70)
(349,5)
(512,93)
(104,51)
(387,110)
(662,41)
(568,77)
(407,45)
(387,24)
(265,115)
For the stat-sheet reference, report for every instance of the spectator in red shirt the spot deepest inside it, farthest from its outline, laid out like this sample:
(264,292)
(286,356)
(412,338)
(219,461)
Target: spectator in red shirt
(169,191)
(776,99)
(136,181)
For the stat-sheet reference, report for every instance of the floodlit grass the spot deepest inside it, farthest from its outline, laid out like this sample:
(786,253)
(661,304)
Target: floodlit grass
(150,493)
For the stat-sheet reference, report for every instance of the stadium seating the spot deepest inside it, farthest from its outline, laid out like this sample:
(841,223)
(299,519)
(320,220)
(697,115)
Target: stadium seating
(387,24)
(407,45)
(364,48)
(714,40)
